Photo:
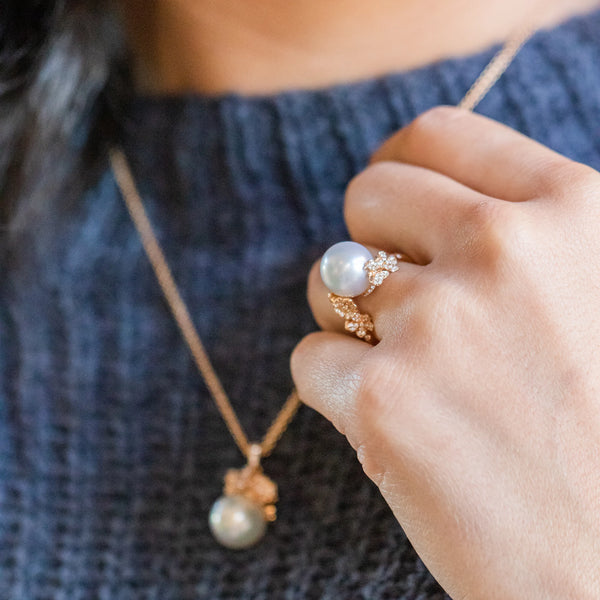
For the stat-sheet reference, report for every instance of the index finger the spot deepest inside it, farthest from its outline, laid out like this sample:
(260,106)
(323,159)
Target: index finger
(476,151)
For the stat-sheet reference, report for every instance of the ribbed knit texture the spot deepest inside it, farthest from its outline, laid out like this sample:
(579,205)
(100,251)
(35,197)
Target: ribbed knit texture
(111,451)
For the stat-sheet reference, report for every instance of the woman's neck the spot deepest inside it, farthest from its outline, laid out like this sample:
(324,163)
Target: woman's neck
(264,47)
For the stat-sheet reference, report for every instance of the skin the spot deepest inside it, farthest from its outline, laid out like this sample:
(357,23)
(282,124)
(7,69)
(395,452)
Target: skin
(477,413)
(222,46)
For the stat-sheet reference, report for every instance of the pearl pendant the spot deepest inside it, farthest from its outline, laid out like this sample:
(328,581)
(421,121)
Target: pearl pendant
(343,269)
(237,522)
(238,519)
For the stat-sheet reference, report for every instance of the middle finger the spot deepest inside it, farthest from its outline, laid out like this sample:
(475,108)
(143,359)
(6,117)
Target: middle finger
(408,209)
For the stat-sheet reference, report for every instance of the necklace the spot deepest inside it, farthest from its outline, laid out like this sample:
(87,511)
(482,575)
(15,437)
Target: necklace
(238,519)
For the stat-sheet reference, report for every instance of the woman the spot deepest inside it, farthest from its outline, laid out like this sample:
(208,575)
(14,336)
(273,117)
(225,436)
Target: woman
(475,414)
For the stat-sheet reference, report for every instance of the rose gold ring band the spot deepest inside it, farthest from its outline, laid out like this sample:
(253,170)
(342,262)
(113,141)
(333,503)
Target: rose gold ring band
(365,274)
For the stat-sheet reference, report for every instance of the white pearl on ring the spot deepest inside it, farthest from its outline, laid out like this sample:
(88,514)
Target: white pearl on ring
(342,269)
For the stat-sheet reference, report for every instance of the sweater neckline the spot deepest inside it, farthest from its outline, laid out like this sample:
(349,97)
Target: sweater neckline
(541,37)
(317,139)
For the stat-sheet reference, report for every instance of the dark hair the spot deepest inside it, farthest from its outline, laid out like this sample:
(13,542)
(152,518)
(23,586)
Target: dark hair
(63,77)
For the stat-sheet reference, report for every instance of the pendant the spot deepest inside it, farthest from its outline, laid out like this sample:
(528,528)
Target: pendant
(239,518)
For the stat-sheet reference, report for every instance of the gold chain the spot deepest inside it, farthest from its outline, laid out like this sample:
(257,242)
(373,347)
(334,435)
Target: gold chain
(184,321)
(495,68)
(126,183)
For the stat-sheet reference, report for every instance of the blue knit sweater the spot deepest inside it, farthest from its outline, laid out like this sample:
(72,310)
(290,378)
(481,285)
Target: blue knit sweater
(111,450)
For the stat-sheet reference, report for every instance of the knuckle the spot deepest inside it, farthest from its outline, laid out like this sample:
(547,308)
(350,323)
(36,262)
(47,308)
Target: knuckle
(433,305)
(354,198)
(484,215)
(376,398)
(419,131)
(585,176)
(489,231)
(432,119)
(361,196)
(430,122)
(583,184)
(564,178)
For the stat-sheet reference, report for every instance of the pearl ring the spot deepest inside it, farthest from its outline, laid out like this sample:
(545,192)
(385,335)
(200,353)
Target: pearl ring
(348,270)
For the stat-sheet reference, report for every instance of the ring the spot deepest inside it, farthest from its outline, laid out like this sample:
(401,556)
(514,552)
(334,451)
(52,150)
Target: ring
(379,268)
(348,270)
(358,323)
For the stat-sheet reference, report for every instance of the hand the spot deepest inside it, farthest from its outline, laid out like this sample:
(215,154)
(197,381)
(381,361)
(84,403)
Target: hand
(478,412)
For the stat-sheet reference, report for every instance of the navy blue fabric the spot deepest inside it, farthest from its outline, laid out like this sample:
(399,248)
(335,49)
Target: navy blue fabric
(111,451)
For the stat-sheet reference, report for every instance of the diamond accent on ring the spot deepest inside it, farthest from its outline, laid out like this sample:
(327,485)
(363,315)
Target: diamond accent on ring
(358,323)
(379,268)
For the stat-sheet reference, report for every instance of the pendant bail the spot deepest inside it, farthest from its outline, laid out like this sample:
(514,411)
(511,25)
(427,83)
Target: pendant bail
(254,456)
